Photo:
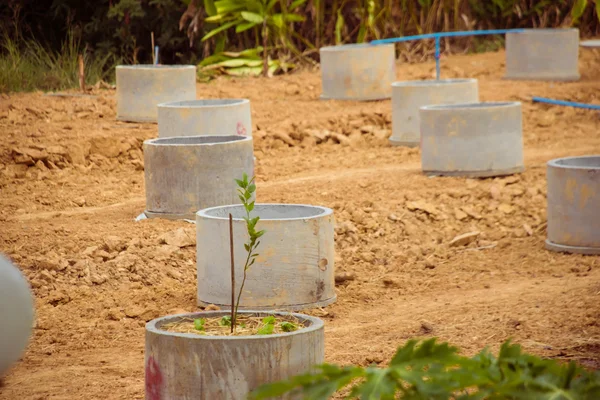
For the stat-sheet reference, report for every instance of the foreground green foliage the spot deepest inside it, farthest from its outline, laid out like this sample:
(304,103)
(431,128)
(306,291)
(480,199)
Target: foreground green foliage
(435,371)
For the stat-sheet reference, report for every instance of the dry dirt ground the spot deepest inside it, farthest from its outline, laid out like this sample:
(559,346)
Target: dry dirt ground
(71,184)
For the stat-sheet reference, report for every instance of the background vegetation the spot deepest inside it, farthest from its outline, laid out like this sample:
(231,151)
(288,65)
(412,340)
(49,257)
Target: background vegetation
(46,34)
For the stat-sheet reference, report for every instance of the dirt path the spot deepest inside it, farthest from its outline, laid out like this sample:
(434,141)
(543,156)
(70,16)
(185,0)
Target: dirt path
(71,184)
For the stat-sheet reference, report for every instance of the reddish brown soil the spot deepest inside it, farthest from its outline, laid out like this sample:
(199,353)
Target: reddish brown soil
(67,210)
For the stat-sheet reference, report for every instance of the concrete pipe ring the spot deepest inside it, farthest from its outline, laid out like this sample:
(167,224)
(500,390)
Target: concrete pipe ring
(140,88)
(186,174)
(295,266)
(357,71)
(207,117)
(573,204)
(16,314)
(543,54)
(409,96)
(185,365)
(472,140)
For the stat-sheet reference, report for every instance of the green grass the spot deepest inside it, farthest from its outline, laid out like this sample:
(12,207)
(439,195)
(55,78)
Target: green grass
(28,65)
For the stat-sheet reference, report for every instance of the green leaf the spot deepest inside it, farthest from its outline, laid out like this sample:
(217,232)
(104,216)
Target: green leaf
(253,221)
(259,234)
(250,207)
(209,6)
(252,17)
(245,179)
(247,246)
(294,18)
(252,188)
(277,20)
(218,30)
(578,10)
(225,321)
(244,26)
(268,326)
(199,324)
(238,182)
(288,326)
(297,3)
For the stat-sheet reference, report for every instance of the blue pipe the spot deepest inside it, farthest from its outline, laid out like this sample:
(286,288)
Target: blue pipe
(437,58)
(566,103)
(445,34)
(439,35)
(155,55)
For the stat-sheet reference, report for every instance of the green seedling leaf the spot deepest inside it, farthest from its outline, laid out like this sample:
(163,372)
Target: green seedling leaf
(268,326)
(250,207)
(225,321)
(199,324)
(288,326)
(259,234)
(252,188)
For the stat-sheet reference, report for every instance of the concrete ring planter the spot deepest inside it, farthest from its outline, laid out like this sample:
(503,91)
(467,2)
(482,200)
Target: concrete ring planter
(543,54)
(212,117)
(186,174)
(295,266)
(184,365)
(408,97)
(357,71)
(16,313)
(140,88)
(473,140)
(574,204)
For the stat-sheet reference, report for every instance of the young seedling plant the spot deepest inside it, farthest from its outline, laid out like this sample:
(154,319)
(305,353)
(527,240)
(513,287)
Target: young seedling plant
(246,190)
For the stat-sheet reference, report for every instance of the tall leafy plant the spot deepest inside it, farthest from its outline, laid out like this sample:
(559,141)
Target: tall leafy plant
(269,17)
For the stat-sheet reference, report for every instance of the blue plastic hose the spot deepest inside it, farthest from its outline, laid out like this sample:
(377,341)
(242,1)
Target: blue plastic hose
(566,103)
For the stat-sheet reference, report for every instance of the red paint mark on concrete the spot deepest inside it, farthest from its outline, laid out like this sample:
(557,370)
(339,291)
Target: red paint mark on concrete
(154,380)
(241,130)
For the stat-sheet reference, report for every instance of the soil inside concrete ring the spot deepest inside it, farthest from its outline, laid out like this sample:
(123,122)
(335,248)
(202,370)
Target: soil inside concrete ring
(72,182)
(246,325)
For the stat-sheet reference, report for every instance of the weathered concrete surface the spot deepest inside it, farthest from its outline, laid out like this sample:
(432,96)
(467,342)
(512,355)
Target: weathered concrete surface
(16,314)
(140,88)
(474,140)
(183,366)
(216,117)
(574,205)
(357,71)
(186,174)
(295,266)
(543,54)
(408,97)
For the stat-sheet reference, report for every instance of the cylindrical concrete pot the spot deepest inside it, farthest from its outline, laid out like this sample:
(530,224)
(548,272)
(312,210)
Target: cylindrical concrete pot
(188,366)
(473,140)
(357,71)
(187,174)
(543,54)
(210,117)
(16,314)
(408,97)
(574,205)
(295,266)
(140,88)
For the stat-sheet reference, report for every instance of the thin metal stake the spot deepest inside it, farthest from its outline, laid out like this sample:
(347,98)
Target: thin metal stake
(232,273)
